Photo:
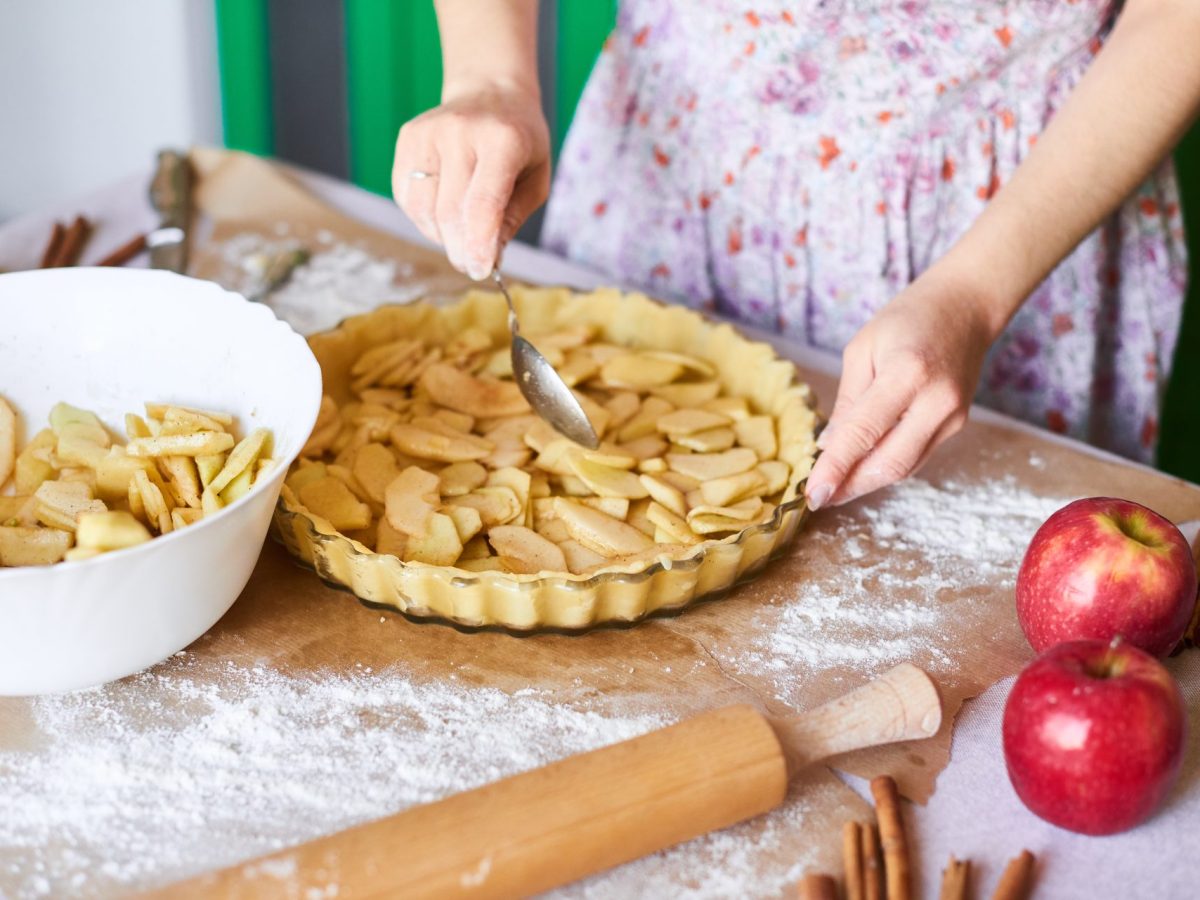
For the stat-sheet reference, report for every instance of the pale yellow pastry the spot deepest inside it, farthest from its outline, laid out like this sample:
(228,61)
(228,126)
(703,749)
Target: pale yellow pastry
(429,485)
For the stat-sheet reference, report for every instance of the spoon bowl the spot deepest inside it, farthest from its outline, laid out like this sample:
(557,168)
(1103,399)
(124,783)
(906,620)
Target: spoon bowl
(542,386)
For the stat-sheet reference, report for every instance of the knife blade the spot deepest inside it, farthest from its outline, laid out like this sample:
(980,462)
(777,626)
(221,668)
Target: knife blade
(171,196)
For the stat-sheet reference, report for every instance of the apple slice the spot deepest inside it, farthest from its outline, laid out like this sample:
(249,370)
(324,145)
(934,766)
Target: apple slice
(711,441)
(496,505)
(467,521)
(743,511)
(110,530)
(674,526)
(22,546)
(606,481)
(59,504)
(410,501)
(758,433)
(622,406)
(375,468)
(690,421)
(617,507)
(534,552)
(645,421)
(689,394)
(706,466)
(776,472)
(328,497)
(600,533)
(638,371)
(425,443)
(461,478)
(579,558)
(731,488)
(736,408)
(666,494)
(438,546)
(479,397)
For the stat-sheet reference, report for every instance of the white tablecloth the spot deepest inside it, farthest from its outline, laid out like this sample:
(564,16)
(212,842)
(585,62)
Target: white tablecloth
(974,814)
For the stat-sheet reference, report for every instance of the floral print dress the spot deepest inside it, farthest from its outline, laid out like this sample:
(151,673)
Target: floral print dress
(796,165)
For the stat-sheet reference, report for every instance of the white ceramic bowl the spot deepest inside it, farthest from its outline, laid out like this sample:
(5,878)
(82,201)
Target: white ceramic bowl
(108,340)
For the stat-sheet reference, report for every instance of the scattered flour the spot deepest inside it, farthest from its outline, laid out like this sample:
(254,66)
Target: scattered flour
(760,858)
(985,527)
(182,774)
(339,279)
(876,614)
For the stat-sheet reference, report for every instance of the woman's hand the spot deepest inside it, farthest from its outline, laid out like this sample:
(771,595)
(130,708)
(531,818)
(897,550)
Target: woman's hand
(488,149)
(909,374)
(907,381)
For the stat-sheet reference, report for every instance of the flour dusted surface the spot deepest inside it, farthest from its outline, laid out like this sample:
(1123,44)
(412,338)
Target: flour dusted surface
(882,608)
(189,767)
(338,280)
(193,770)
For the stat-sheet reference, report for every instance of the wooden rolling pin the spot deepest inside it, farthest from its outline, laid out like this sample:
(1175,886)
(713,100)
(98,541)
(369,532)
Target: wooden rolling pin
(587,813)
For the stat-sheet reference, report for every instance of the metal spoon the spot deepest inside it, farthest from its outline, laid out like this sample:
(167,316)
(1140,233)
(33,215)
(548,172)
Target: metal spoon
(545,390)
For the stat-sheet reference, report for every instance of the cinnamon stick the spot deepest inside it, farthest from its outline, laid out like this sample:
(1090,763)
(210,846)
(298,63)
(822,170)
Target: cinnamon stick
(872,871)
(852,860)
(818,887)
(52,246)
(954,879)
(72,243)
(125,252)
(892,838)
(1017,879)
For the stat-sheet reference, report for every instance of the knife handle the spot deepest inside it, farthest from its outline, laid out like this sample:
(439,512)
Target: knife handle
(171,187)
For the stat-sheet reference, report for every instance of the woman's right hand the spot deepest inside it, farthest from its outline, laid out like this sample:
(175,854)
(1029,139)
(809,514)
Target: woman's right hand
(488,148)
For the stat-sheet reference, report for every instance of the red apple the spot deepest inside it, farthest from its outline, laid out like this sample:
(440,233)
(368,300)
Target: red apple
(1102,567)
(1093,735)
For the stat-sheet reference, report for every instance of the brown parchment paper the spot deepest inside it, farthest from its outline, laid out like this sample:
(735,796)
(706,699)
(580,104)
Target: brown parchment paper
(288,619)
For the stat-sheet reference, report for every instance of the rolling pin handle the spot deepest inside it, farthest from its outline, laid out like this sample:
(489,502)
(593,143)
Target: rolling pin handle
(900,705)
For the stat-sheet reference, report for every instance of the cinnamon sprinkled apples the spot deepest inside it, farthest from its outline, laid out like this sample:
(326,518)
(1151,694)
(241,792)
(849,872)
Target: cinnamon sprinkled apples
(435,457)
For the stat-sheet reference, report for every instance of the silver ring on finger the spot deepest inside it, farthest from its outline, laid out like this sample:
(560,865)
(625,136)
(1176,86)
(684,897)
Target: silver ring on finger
(421,175)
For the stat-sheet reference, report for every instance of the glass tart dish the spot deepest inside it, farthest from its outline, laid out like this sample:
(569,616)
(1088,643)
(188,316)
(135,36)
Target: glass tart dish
(428,486)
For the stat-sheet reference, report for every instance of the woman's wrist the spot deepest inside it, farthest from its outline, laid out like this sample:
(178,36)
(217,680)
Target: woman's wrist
(980,283)
(516,86)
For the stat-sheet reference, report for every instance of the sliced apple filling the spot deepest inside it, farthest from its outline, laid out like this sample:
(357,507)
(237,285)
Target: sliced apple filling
(438,459)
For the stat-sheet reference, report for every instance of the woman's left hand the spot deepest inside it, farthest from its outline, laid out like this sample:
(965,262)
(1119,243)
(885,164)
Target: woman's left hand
(907,381)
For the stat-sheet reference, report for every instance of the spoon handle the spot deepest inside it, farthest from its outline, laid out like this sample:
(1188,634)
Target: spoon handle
(513,326)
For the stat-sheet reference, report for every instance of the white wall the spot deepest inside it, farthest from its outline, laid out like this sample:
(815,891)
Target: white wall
(90,89)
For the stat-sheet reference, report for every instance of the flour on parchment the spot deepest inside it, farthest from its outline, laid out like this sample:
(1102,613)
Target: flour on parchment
(339,279)
(182,775)
(142,787)
(923,536)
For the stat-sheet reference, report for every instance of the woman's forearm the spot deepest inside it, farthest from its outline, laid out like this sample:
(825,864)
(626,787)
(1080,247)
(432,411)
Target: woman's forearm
(488,43)
(1133,104)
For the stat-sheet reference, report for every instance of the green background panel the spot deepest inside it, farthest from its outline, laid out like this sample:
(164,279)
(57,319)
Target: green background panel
(243,47)
(394,72)
(582,27)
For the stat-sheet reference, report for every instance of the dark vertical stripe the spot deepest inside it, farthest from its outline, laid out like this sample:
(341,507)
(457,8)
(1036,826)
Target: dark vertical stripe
(1177,452)
(308,71)
(547,52)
